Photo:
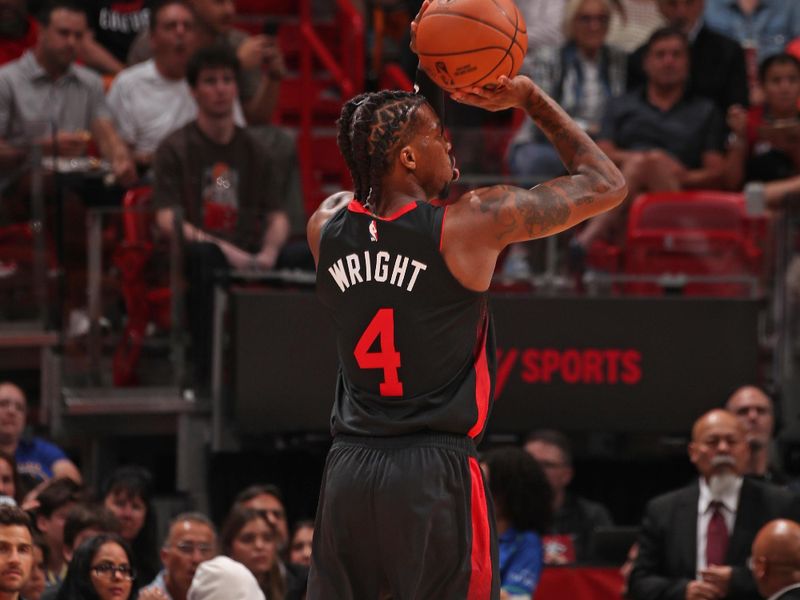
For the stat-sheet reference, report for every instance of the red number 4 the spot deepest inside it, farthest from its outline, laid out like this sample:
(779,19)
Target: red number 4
(381,327)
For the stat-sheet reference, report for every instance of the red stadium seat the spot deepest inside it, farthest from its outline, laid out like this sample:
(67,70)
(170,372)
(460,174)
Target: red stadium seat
(686,234)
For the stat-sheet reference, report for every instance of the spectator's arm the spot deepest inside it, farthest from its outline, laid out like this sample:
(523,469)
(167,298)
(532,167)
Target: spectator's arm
(236,257)
(258,109)
(776,192)
(275,236)
(64,467)
(94,55)
(617,155)
(709,175)
(254,52)
(116,151)
(140,49)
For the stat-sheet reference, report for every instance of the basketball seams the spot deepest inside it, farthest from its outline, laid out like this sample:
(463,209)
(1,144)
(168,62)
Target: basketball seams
(503,12)
(462,52)
(469,18)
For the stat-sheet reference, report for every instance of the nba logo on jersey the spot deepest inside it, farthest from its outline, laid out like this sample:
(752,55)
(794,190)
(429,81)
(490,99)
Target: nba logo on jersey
(373,231)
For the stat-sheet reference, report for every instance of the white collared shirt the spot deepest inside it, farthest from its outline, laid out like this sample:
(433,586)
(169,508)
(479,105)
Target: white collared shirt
(730,503)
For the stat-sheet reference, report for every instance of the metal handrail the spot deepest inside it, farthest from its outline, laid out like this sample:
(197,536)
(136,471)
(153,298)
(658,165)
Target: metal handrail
(349,75)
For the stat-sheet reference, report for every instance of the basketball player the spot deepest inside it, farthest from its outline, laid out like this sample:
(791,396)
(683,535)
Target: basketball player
(403,511)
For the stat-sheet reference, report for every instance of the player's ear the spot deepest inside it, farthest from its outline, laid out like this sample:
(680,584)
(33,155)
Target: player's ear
(408,158)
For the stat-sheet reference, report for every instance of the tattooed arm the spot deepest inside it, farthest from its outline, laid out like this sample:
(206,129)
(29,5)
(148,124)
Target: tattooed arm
(482,222)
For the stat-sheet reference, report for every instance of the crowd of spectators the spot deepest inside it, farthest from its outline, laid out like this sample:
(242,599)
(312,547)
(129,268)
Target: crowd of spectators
(83,544)
(693,542)
(681,94)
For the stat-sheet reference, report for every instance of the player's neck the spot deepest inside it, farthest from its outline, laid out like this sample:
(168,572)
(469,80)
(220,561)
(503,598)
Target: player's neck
(396,195)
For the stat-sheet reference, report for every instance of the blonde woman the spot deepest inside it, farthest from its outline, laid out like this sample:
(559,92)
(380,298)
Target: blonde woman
(581,75)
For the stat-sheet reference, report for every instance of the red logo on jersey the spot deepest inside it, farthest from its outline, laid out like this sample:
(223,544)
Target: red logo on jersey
(373,231)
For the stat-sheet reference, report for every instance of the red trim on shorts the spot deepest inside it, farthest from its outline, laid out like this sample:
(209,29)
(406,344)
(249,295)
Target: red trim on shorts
(356,207)
(482,387)
(480,579)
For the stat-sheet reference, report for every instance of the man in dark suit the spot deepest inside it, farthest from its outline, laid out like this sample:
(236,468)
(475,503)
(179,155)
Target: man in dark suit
(775,560)
(695,541)
(718,69)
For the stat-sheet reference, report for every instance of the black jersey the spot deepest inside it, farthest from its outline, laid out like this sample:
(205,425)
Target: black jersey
(416,348)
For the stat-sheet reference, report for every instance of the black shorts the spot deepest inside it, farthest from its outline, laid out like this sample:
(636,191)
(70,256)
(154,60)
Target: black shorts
(406,518)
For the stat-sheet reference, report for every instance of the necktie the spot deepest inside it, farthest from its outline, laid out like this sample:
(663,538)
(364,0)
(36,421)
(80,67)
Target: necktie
(716,536)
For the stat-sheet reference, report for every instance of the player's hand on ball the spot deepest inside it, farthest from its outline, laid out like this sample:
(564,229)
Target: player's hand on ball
(415,24)
(508,93)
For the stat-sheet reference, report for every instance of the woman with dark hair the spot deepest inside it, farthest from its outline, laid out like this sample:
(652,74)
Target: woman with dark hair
(523,509)
(300,544)
(127,493)
(100,569)
(762,147)
(249,538)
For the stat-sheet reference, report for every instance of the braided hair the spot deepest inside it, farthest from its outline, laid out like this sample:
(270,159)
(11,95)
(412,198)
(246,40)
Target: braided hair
(371,127)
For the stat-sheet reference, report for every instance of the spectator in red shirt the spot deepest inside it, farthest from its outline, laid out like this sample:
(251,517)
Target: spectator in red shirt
(765,144)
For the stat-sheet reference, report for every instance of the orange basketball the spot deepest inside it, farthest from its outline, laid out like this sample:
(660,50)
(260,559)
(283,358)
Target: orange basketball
(464,43)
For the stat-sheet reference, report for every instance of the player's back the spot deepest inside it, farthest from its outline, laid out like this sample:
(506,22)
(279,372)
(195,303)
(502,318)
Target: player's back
(416,347)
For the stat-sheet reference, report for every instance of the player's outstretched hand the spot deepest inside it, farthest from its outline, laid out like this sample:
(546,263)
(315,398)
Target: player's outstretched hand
(508,93)
(415,24)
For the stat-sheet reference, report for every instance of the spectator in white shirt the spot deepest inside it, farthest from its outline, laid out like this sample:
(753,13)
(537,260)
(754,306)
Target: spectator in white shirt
(152,99)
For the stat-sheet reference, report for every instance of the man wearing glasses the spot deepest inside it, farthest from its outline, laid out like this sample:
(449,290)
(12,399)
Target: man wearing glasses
(16,551)
(191,540)
(36,458)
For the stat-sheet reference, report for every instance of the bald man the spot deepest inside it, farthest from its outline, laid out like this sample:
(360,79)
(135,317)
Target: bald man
(775,560)
(754,410)
(695,541)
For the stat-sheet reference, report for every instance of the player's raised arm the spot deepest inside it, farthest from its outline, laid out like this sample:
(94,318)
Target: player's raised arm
(502,214)
(484,221)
